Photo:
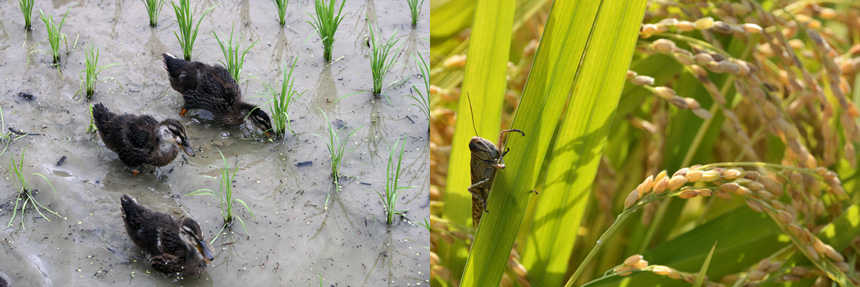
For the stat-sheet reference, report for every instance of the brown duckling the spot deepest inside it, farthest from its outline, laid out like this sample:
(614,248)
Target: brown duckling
(212,88)
(141,139)
(174,246)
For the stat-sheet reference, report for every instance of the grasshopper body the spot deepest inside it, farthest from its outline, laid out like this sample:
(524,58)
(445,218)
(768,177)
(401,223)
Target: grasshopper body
(486,159)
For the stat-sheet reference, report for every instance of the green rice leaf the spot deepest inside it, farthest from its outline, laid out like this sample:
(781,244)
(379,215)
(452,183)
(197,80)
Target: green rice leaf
(574,28)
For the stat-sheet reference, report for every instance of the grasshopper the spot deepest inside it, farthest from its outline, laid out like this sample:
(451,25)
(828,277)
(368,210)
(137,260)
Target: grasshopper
(486,159)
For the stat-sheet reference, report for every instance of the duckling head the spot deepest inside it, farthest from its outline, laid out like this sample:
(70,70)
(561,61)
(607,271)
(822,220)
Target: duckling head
(193,237)
(171,131)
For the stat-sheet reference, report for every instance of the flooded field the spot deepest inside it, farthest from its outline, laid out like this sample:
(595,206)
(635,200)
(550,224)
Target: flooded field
(292,238)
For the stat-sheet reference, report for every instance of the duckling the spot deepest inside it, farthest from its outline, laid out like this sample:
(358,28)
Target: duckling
(141,139)
(212,88)
(174,246)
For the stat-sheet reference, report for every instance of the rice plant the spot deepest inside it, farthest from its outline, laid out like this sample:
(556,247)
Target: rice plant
(325,22)
(234,57)
(392,184)
(26,9)
(681,133)
(185,20)
(336,148)
(153,8)
(54,34)
(282,99)
(91,127)
(90,75)
(26,195)
(381,59)
(282,10)
(414,10)
(225,197)
(422,101)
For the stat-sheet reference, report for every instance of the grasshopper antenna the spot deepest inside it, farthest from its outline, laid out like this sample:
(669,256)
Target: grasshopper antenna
(473,113)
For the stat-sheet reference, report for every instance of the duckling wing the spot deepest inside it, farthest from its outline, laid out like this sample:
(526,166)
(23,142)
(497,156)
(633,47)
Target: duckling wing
(166,263)
(138,140)
(221,84)
(169,241)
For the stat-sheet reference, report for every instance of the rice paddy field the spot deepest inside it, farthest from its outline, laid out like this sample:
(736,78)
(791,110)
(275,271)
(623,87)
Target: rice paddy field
(303,231)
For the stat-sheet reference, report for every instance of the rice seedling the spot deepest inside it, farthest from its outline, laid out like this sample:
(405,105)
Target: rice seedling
(325,22)
(392,184)
(281,100)
(54,34)
(153,8)
(185,20)
(381,59)
(91,127)
(26,9)
(414,10)
(422,101)
(282,10)
(225,197)
(90,75)
(234,57)
(26,195)
(336,148)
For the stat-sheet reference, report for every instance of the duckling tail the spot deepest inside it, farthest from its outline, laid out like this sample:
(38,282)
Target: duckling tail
(173,65)
(129,205)
(101,115)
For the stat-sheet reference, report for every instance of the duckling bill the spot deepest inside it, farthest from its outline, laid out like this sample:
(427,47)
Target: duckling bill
(174,246)
(141,139)
(212,88)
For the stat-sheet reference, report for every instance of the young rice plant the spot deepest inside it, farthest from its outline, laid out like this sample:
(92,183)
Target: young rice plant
(336,148)
(225,197)
(54,34)
(381,59)
(185,20)
(26,9)
(422,101)
(325,22)
(234,57)
(282,99)
(26,196)
(282,10)
(89,77)
(392,184)
(414,10)
(153,8)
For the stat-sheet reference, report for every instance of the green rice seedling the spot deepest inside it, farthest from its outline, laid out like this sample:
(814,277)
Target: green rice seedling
(325,22)
(185,20)
(280,105)
(422,101)
(26,9)
(225,197)
(282,10)
(91,74)
(153,8)
(6,138)
(414,10)
(234,58)
(54,34)
(392,184)
(381,59)
(26,196)
(336,148)
(91,127)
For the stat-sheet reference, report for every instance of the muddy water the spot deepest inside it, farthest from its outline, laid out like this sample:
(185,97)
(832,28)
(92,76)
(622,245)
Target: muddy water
(294,240)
